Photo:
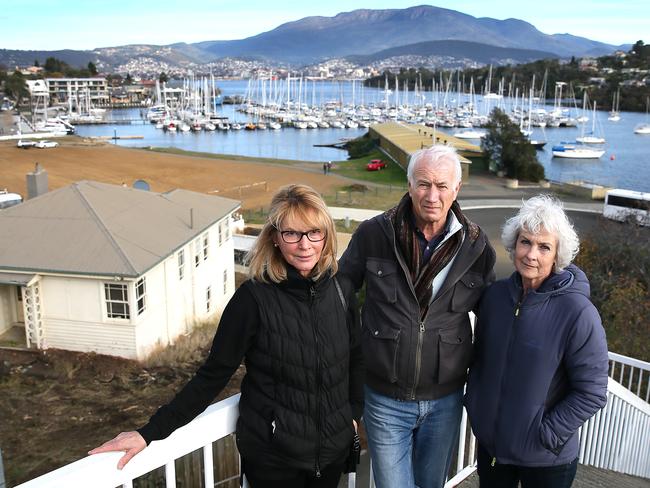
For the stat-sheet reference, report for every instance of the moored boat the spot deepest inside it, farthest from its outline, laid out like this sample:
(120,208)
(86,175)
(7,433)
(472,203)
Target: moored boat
(570,151)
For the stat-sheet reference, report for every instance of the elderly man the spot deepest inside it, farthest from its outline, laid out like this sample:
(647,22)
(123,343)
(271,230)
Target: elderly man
(425,266)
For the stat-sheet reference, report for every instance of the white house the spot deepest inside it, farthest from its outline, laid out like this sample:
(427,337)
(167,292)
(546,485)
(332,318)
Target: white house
(111,269)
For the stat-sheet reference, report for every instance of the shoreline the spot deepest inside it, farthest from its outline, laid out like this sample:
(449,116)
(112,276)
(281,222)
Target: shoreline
(80,158)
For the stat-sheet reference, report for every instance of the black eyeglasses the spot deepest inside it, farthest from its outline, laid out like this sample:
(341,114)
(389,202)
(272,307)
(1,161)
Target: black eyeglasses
(294,236)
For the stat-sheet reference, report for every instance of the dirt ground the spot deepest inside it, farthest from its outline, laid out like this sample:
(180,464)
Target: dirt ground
(81,159)
(57,405)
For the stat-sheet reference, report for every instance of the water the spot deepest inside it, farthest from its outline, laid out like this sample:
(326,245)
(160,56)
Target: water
(626,163)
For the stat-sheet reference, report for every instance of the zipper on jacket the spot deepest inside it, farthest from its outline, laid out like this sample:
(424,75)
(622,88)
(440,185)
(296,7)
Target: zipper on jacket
(518,306)
(418,359)
(418,352)
(312,300)
(511,341)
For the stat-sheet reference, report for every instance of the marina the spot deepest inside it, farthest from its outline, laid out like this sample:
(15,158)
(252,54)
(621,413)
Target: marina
(624,163)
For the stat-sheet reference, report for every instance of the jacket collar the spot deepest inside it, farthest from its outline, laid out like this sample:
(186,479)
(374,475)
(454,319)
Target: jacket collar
(302,287)
(571,280)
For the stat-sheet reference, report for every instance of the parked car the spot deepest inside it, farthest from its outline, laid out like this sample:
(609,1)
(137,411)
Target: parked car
(44,144)
(375,165)
(25,144)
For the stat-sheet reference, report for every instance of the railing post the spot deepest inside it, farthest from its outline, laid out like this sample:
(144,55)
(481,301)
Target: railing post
(460,461)
(208,466)
(352,480)
(170,474)
(2,472)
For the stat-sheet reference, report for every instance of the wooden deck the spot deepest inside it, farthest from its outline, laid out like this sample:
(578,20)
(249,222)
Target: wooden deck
(587,477)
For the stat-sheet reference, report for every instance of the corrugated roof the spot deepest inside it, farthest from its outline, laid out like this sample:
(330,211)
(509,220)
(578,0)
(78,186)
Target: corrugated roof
(412,137)
(97,228)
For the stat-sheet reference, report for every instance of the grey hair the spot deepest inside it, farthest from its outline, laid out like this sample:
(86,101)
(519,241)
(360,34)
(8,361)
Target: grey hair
(543,212)
(435,155)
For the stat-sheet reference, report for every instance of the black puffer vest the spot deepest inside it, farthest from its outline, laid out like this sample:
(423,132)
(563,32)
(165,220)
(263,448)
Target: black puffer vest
(295,407)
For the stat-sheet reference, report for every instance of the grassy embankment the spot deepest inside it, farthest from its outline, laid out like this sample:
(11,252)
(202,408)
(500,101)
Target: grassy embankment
(229,157)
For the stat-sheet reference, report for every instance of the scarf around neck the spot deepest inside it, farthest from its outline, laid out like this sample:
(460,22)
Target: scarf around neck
(422,274)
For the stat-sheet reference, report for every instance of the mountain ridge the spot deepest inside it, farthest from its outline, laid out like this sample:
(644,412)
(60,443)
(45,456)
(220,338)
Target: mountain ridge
(361,32)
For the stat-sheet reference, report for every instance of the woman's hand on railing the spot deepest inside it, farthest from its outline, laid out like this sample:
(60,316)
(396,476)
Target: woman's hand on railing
(129,442)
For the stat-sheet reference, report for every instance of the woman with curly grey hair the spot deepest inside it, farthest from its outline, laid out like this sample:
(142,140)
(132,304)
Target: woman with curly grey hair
(540,369)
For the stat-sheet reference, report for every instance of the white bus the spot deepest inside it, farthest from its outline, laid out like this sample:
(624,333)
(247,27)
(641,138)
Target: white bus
(9,199)
(627,204)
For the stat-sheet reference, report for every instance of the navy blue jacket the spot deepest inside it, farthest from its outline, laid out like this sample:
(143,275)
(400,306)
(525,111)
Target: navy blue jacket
(540,369)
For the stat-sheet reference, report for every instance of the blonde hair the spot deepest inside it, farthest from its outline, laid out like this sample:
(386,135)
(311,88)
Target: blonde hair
(297,202)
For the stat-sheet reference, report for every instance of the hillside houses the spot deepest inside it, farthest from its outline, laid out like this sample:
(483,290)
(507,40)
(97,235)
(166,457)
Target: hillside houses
(111,269)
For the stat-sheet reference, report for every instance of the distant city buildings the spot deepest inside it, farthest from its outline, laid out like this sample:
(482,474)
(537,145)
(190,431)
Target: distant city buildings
(61,89)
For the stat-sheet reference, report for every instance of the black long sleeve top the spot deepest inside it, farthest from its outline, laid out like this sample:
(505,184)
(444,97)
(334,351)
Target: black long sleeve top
(235,335)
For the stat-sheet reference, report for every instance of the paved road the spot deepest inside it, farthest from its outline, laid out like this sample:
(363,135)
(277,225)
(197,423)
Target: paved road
(491,215)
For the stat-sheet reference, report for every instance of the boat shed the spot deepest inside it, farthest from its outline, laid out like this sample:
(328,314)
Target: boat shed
(399,141)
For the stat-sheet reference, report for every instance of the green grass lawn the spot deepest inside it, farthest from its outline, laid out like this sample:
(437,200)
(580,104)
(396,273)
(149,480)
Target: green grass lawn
(356,168)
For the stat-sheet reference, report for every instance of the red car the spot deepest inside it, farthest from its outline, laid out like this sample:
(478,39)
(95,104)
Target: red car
(375,165)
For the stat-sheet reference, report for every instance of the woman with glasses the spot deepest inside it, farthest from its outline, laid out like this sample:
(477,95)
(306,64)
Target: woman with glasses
(296,328)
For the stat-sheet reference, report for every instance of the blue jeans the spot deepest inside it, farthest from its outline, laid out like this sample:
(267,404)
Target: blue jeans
(411,442)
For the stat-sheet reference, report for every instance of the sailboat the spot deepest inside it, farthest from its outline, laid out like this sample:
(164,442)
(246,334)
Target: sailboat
(578,150)
(591,138)
(615,114)
(644,128)
(571,151)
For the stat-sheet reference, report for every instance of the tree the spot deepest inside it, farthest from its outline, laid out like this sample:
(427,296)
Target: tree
(92,68)
(508,150)
(163,78)
(16,86)
(128,80)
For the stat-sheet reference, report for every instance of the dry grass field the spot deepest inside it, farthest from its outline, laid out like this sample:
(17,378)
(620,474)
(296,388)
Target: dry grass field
(81,159)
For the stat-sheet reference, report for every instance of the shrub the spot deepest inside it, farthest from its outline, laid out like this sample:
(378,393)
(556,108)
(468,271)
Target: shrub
(616,258)
(360,147)
(509,150)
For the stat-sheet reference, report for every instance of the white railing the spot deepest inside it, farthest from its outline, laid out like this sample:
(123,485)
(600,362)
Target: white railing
(616,438)
(632,373)
(100,470)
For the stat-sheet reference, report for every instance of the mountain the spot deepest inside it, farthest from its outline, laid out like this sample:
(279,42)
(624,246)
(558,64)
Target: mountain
(472,51)
(359,32)
(366,31)
(15,57)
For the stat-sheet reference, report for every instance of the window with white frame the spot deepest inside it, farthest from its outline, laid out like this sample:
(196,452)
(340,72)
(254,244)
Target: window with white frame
(197,252)
(208,298)
(141,295)
(206,244)
(219,233)
(227,226)
(225,281)
(117,300)
(181,264)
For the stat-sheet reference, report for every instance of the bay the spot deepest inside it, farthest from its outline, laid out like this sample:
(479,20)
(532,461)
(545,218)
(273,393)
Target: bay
(626,163)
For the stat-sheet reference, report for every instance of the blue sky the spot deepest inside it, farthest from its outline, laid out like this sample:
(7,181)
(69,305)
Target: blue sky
(87,24)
